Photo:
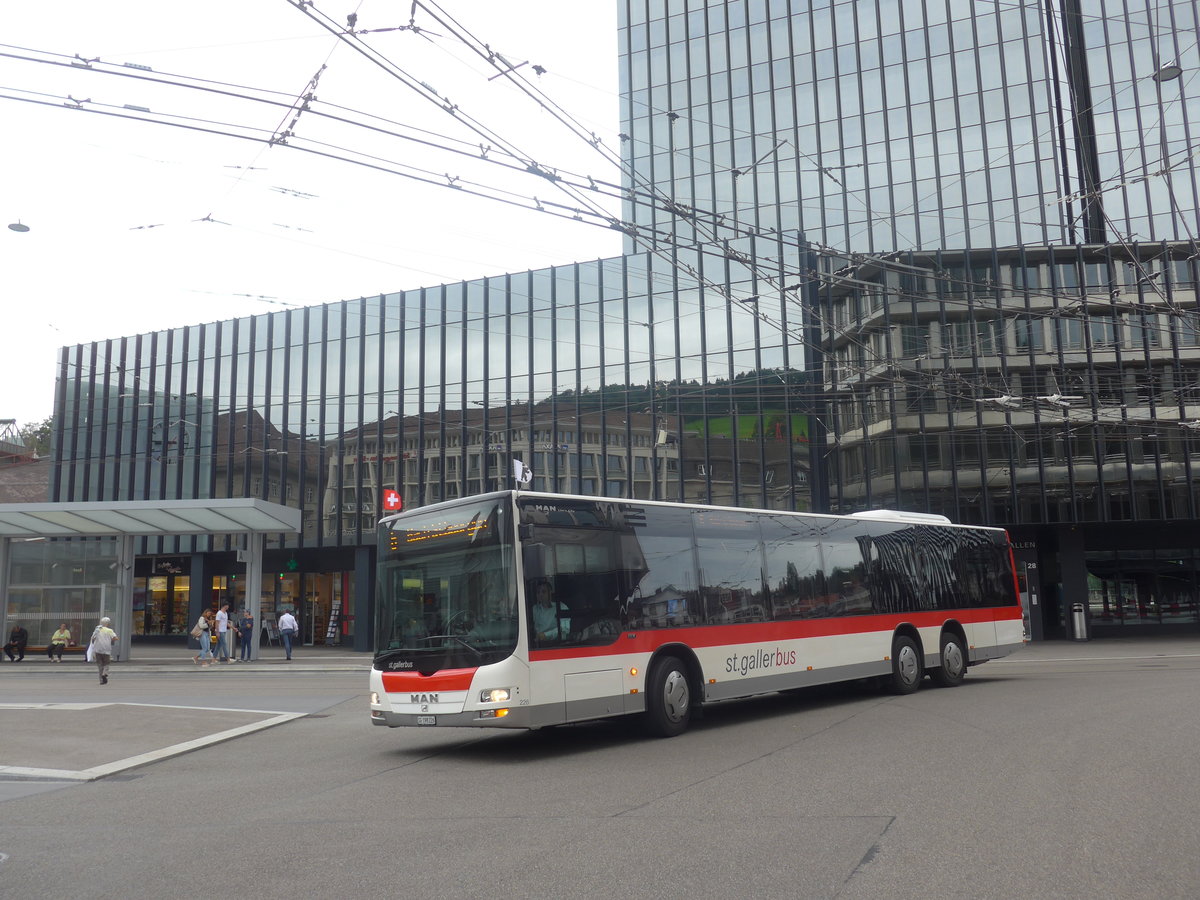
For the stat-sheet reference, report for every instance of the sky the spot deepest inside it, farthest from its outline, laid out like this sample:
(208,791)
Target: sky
(136,226)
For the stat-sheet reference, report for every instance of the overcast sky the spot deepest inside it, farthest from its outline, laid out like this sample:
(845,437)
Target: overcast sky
(116,208)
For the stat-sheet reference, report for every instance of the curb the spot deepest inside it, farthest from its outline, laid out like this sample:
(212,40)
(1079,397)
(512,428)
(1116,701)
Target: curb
(176,667)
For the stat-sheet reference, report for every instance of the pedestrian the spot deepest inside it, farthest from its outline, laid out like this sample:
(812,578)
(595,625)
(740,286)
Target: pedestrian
(288,628)
(17,640)
(246,633)
(223,634)
(103,641)
(201,632)
(58,643)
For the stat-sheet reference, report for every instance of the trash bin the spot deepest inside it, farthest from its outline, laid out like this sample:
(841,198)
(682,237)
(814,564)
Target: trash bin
(1078,622)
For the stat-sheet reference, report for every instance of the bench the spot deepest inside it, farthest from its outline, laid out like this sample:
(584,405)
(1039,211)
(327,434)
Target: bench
(40,650)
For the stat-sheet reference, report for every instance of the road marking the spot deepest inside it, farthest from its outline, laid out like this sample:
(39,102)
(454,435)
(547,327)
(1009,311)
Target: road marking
(142,759)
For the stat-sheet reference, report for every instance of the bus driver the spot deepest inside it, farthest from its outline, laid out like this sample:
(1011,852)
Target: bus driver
(547,624)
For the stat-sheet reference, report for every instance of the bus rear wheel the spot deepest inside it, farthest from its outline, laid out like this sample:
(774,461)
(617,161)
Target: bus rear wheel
(668,698)
(953,658)
(907,670)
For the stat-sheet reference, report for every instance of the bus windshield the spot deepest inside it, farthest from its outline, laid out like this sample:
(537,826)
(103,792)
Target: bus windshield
(447,587)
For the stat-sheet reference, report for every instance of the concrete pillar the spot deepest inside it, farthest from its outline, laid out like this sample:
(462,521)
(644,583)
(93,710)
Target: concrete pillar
(1073,571)
(254,566)
(364,598)
(122,598)
(200,580)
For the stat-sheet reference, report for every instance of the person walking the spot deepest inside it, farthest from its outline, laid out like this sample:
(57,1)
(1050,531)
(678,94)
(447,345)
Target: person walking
(223,634)
(18,639)
(288,629)
(246,633)
(58,643)
(202,632)
(103,641)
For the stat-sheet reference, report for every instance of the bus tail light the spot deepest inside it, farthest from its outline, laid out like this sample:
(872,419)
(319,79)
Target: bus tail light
(495,695)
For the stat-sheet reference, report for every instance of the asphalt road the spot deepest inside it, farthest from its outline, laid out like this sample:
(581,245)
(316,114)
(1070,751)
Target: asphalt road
(1064,771)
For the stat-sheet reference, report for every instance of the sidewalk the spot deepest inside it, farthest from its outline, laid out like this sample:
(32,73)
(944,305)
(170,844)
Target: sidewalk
(166,659)
(1110,648)
(343,659)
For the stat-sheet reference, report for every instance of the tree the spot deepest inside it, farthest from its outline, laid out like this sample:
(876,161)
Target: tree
(36,435)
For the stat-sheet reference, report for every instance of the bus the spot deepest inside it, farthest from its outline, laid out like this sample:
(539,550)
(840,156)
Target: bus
(525,610)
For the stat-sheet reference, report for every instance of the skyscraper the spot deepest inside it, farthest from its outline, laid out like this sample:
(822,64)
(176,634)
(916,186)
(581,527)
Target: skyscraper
(882,125)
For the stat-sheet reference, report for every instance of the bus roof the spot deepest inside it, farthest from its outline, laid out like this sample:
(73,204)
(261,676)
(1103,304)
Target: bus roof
(879,515)
(899,515)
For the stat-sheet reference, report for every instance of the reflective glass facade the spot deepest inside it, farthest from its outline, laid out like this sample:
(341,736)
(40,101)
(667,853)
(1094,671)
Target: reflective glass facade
(1052,390)
(995,318)
(651,376)
(1043,385)
(880,125)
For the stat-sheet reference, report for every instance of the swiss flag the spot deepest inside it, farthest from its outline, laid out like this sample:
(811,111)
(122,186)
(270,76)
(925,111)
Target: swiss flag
(392,499)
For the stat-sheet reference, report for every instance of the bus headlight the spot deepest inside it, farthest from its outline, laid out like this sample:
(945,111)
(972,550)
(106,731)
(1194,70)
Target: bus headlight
(495,695)
(374,698)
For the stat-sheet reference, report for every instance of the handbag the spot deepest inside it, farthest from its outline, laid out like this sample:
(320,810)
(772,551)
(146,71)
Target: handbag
(197,631)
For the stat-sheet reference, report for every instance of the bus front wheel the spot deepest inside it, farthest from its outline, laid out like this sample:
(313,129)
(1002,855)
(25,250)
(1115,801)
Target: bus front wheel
(953,668)
(907,670)
(668,698)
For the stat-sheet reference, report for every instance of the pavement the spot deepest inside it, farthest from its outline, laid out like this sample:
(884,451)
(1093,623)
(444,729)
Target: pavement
(46,740)
(166,659)
(55,728)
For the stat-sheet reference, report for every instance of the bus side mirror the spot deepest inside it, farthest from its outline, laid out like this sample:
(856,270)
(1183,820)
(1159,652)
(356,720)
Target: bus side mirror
(525,531)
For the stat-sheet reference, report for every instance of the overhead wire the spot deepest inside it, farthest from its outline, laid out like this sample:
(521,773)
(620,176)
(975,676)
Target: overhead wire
(768,319)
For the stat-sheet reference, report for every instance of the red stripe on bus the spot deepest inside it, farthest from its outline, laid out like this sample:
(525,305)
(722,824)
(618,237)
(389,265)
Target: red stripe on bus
(446,680)
(647,640)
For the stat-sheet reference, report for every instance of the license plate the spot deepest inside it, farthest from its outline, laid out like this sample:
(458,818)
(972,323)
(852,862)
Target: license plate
(426,720)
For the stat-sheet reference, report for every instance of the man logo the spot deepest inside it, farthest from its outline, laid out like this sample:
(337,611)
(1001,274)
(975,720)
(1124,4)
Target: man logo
(423,698)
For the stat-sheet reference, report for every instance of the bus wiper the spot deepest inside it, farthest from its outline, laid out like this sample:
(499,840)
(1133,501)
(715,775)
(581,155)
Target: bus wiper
(455,637)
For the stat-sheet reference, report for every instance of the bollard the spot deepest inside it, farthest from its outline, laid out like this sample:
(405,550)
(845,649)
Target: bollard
(1078,622)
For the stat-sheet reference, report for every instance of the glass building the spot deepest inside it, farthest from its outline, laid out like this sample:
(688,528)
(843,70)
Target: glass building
(883,125)
(1052,390)
(1005,206)
(650,376)
(928,254)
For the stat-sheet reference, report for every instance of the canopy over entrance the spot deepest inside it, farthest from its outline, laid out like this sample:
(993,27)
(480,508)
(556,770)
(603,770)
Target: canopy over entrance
(146,517)
(127,519)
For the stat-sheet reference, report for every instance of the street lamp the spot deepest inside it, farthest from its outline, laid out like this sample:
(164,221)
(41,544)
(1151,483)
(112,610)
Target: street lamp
(1166,72)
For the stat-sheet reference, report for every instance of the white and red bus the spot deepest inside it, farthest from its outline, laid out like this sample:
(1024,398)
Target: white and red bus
(523,610)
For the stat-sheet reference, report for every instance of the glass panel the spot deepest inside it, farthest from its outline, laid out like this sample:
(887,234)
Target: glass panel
(843,589)
(52,583)
(730,557)
(793,564)
(666,594)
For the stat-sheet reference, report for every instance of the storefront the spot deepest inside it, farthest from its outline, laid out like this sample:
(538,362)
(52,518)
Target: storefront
(322,601)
